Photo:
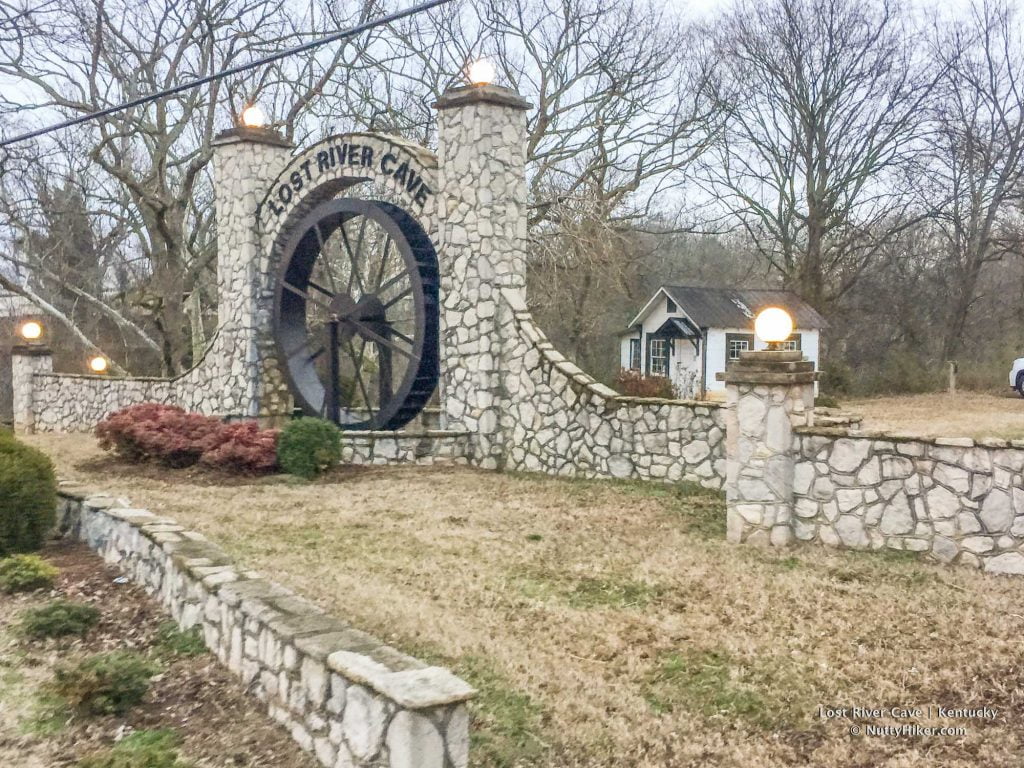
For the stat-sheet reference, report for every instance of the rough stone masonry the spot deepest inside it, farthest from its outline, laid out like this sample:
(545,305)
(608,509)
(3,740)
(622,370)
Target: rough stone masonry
(341,693)
(953,499)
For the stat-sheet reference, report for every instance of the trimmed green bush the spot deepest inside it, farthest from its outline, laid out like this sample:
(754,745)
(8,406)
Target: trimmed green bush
(308,446)
(142,749)
(23,573)
(104,684)
(28,497)
(59,618)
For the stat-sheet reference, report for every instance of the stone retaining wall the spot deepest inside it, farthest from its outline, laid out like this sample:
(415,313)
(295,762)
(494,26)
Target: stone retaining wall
(559,420)
(342,694)
(958,500)
(427,447)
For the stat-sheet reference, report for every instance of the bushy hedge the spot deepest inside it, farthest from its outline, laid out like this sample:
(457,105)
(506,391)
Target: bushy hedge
(242,447)
(171,436)
(59,618)
(28,497)
(308,446)
(23,573)
(635,384)
(104,684)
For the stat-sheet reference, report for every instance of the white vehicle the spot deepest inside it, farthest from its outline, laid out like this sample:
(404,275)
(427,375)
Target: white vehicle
(1017,376)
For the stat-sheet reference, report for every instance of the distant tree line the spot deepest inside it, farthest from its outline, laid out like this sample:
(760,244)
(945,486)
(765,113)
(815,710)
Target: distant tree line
(863,154)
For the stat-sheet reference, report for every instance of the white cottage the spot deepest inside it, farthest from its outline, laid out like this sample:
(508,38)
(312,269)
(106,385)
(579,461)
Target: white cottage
(689,334)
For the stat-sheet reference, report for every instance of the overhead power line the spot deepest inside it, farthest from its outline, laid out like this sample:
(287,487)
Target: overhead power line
(364,27)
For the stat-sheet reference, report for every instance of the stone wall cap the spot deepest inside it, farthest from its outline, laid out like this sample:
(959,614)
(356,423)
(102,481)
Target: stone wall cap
(771,355)
(31,350)
(481,94)
(738,376)
(410,688)
(252,135)
(955,442)
(381,434)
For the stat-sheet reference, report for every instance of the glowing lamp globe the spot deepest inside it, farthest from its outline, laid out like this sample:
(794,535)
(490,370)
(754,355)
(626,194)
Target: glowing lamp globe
(31,331)
(253,116)
(773,326)
(481,72)
(98,364)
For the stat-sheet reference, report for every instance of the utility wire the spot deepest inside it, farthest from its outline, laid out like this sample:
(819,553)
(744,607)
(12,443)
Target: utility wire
(364,27)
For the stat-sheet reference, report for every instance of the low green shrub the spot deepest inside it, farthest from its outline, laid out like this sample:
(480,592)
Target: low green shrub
(28,497)
(308,446)
(171,641)
(142,749)
(58,619)
(104,684)
(23,573)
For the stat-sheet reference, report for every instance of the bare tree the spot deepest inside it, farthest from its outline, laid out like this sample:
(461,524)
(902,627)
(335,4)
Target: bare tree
(976,154)
(147,168)
(824,102)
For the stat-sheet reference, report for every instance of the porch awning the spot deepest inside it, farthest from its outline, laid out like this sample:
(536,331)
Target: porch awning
(677,328)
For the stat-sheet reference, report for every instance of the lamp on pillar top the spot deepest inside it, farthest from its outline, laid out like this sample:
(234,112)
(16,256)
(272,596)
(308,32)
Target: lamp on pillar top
(31,330)
(773,326)
(253,116)
(481,72)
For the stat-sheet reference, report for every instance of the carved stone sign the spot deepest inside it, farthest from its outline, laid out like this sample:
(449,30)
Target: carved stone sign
(406,169)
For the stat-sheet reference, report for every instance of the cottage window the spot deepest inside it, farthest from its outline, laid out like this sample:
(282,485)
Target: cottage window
(735,343)
(657,357)
(792,343)
(634,354)
(670,306)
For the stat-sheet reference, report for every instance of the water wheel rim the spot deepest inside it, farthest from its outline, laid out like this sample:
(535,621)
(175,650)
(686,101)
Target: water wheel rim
(303,246)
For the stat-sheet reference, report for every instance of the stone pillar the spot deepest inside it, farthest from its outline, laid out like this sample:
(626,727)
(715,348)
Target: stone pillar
(26,361)
(482,214)
(768,393)
(245,163)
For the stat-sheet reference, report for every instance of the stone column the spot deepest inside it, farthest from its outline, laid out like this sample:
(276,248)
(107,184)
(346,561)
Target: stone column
(482,214)
(768,393)
(245,163)
(26,361)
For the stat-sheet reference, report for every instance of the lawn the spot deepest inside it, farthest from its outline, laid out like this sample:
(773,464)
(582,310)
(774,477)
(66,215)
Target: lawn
(609,624)
(966,414)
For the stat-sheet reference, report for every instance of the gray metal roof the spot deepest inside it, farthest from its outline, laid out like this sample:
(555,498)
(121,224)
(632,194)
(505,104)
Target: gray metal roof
(737,307)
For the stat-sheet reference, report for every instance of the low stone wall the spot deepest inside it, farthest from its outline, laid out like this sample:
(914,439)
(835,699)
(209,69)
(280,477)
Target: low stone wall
(425,447)
(342,694)
(959,501)
(561,421)
(66,402)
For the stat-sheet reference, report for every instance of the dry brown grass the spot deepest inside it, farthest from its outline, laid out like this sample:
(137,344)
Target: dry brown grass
(609,624)
(966,414)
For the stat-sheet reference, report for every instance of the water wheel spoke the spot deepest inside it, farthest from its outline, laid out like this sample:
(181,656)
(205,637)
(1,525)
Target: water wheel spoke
(353,261)
(304,294)
(391,282)
(383,264)
(403,337)
(359,377)
(391,302)
(326,260)
(367,332)
(318,287)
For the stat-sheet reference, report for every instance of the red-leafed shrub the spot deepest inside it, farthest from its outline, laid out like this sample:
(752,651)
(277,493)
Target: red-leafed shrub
(635,384)
(153,431)
(242,447)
